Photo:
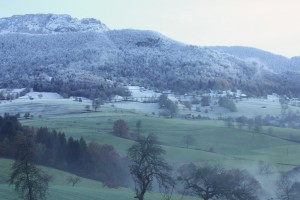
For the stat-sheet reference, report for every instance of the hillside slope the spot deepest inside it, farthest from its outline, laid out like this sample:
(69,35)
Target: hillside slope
(60,189)
(48,23)
(78,54)
(276,63)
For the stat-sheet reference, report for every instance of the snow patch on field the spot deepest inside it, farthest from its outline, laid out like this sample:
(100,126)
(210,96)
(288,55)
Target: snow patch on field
(147,108)
(140,92)
(42,95)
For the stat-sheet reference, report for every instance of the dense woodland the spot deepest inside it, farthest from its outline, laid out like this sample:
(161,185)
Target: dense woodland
(75,63)
(54,149)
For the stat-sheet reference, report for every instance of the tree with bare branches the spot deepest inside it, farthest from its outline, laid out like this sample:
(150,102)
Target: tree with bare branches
(73,180)
(148,166)
(188,140)
(286,188)
(30,182)
(210,182)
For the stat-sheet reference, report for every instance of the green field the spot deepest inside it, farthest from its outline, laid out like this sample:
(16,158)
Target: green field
(59,189)
(213,143)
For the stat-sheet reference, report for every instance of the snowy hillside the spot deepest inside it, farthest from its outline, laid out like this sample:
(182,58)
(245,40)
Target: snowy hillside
(87,57)
(48,23)
(276,63)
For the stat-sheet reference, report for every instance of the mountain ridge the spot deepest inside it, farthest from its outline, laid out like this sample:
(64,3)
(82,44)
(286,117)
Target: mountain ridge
(277,63)
(49,23)
(108,58)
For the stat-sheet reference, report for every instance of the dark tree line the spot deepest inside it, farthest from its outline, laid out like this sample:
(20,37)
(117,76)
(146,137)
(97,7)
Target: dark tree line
(91,90)
(54,149)
(256,124)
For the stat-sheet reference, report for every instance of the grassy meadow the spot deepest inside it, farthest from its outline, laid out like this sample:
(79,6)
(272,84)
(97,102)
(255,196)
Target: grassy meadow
(59,189)
(212,142)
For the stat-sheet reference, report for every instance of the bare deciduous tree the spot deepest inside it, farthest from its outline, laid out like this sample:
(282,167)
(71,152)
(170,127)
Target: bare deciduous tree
(73,180)
(264,168)
(96,103)
(188,140)
(87,108)
(210,182)
(121,129)
(148,166)
(30,182)
(287,189)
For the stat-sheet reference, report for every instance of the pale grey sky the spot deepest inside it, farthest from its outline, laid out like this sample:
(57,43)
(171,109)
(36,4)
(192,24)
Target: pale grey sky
(272,25)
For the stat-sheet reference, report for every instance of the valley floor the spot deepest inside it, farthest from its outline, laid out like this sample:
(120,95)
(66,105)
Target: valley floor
(213,142)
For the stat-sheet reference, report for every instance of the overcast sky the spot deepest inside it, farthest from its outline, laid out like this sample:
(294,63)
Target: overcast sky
(272,25)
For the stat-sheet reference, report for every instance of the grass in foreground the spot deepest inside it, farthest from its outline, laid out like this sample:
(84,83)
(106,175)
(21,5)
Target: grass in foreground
(60,190)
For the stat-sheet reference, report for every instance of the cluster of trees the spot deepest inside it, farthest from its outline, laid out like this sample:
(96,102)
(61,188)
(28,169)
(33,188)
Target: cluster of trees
(126,57)
(54,149)
(8,95)
(145,160)
(210,182)
(253,124)
(227,103)
(121,129)
(256,124)
(150,171)
(148,167)
(89,89)
(205,101)
(291,119)
(170,108)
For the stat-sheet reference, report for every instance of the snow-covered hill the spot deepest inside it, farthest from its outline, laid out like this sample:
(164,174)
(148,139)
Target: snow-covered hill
(49,23)
(86,53)
(276,63)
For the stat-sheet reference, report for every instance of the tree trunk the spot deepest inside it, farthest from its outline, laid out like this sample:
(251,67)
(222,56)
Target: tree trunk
(28,182)
(139,197)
